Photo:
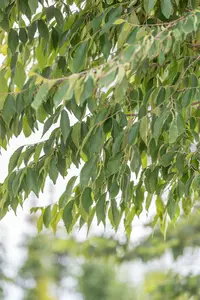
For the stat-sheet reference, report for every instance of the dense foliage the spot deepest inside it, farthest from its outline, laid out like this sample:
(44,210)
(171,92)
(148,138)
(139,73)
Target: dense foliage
(115,84)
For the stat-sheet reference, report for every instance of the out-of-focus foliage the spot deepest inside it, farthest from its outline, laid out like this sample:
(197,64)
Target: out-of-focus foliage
(180,236)
(43,266)
(93,266)
(172,286)
(185,234)
(99,281)
(48,266)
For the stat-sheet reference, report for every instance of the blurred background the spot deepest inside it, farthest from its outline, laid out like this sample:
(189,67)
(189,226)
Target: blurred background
(101,265)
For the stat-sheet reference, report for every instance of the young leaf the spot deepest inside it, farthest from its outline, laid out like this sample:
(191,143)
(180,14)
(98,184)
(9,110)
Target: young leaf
(144,129)
(47,216)
(20,75)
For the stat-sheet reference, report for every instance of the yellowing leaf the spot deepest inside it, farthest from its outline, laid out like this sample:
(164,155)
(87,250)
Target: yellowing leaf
(144,129)
(119,21)
(20,75)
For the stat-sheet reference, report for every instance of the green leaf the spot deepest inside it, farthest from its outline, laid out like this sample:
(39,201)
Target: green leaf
(117,144)
(32,181)
(33,4)
(26,128)
(87,90)
(41,95)
(133,133)
(14,159)
(187,98)
(47,125)
(65,125)
(101,209)
(68,216)
(3,89)
(149,5)
(53,172)
(135,163)
(58,16)
(108,78)
(148,201)
(47,216)
(167,159)
(159,207)
(4,4)
(20,75)
(76,134)
(38,152)
(9,109)
(60,93)
(173,132)
(13,40)
(79,59)
(171,207)
(187,205)
(114,164)
(40,223)
(166,8)
(180,124)
(158,125)
(68,192)
(86,199)
(180,162)
(87,171)
(55,38)
(32,30)
(114,215)
(188,25)
(43,30)
(23,35)
(96,141)
(144,129)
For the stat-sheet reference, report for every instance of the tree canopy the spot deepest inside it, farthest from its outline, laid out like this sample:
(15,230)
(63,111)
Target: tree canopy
(128,73)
